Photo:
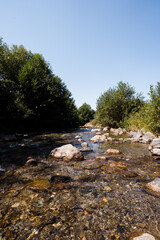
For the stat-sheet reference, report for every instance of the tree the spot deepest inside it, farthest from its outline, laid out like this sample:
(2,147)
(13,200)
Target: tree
(114,106)
(85,113)
(32,97)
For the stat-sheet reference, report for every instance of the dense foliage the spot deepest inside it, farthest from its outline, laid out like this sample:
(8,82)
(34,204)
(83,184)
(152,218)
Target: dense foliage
(115,105)
(85,113)
(149,115)
(31,97)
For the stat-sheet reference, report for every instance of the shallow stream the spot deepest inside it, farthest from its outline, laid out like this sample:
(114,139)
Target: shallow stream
(89,200)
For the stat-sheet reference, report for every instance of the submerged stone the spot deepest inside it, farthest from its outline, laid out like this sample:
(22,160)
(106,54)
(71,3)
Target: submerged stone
(39,184)
(67,152)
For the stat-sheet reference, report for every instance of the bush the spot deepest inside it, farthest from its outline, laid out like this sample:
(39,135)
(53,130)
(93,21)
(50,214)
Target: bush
(115,105)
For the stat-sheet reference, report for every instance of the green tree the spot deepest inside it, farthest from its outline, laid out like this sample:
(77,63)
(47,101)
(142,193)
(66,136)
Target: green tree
(32,97)
(85,113)
(114,106)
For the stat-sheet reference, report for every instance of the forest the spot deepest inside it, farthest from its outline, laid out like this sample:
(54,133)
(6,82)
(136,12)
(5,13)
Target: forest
(33,98)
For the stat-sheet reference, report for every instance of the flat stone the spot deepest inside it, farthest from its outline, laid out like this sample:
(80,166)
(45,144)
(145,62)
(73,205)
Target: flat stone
(39,184)
(67,152)
(96,130)
(111,151)
(98,138)
(154,185)
(144,236)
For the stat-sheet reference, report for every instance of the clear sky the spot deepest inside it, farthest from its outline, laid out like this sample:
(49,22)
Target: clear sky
(90,44)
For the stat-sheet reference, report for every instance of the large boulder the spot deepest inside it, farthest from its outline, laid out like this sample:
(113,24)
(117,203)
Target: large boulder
(67,152)
(98,138)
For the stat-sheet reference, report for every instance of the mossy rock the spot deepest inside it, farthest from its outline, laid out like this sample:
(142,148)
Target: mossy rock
(39,184)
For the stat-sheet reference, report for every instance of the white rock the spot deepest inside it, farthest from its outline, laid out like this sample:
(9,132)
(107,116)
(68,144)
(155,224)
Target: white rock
(95,130)
(156,151)
(106,134)
(16,205)
(112,151)
(144,236)
(67,152)
(154,185)
(155,142)
(105,129)
(98,138)
(77,137)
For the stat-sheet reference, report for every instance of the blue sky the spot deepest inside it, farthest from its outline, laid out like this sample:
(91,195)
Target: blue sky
(90,44)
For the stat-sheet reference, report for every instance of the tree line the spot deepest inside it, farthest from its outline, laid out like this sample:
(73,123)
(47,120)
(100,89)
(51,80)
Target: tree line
(32,97)
(120,106)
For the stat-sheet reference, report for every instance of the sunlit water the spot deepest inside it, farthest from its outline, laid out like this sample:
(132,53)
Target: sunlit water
(93,199)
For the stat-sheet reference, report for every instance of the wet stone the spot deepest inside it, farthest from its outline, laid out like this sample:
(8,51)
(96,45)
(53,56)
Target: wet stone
(40,184)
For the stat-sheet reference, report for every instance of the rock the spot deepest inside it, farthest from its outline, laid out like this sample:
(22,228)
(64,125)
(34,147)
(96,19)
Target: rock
(144,236)
(77,137)
(95,130)
(116,131)
(31,162)
(98,138)
(155,146)
(155,142)
(154,185)
(39,184)
(105,129)
(67,152)
(156,151)
(15,205)
(84,144)
(147,137)
(111,151)
(101,158)
(106,134)
(86,149)
(135,135)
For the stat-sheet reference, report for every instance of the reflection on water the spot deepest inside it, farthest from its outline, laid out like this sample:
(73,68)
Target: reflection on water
(90,199)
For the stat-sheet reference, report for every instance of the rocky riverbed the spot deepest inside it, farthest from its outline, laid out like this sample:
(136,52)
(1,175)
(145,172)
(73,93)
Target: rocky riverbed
(101,196)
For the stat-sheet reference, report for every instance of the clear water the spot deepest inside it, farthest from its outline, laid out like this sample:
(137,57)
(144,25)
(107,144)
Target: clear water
(93,199)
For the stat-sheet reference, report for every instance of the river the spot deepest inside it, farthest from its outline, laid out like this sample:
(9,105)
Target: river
(91,199)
